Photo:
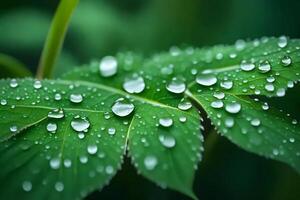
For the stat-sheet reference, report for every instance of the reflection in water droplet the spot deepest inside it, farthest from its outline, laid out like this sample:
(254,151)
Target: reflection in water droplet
(56,114)
(247,66)
(184,105)
(76,98)
(108,66)
(176,86)
(217,104)
(226,85)
(37,84)
(286,61)
(264,67)
(51,127)
(255,122)
(111,131)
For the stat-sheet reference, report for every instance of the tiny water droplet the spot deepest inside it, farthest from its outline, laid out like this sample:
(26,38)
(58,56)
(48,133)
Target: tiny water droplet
(182,119)
(229,122)
(3,102)
(219,95)
(13,129)
(55,163)
(167,141)
(13,83)
(59,186)
(111,131)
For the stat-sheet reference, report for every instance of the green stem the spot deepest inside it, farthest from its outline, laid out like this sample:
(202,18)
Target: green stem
(12,68)
(55,38)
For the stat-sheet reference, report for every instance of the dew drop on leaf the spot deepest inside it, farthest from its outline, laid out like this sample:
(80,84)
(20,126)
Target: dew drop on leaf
(184,105)
(13,129)
(282,41)
(233,107)
(27,186)
(176,86)
(92,149)
(111,131)
(264,66)
(122,108)
(135,84)
(167,141)
(56,114)
(76,98)
(182,119)
(37,84)
(286,61)
(109,169)
(226,85)
(3,102)
(57,97)
(108,66)
(255,122)
(13,83)
(269,87)
(150,162)
(166,122)
(206,79)
(55,163)
(280,92)
(67,163)
(80,124)
(219,95)
(217,104)
(247,66)
(51,127)
(229,122)
(59,186)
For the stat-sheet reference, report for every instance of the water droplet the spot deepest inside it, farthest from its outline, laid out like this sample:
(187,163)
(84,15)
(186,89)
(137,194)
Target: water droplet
(247,66)
(286,61)
(167,141)
(166,122)
(292,140)
(206,79)
(255,122)
(57,97)
(176,86)
(229,122)
(280,92)
(37,84)
(51,127)
(76,98)
(92,149)
(83,159)
(217,104)
(233,107)
(135,84)
(55,163)
(109,169)
(27,186)
(13,83)
(264,67)
(3,102)
(122,108)
(182,119)
(275,152)
(59,186)
(219,95)
(13,129)
(184,105)
(56,114)
(150,162)
(80,124)
(269,87)
(226,85)
(108,66)
(240,45)
(67,163)
(282,41)
(111,131)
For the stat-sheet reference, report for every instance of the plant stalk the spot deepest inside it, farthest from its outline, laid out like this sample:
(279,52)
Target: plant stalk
(55,38)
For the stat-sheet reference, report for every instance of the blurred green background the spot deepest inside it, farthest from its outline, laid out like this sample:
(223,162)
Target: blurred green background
(102,27)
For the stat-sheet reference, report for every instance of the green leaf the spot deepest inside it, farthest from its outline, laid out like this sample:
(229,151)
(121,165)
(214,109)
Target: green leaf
(256,127)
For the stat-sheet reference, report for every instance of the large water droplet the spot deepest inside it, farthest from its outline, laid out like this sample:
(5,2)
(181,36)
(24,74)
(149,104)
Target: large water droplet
(264,67)
(56,114)
(37,84)
(150,162)
(108,66)
(80,124)
(206,79)
(286,61)
(135,84)
(122,108)
(176,86)
(233,107)
(167,141)
(76,98)
(166,122)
